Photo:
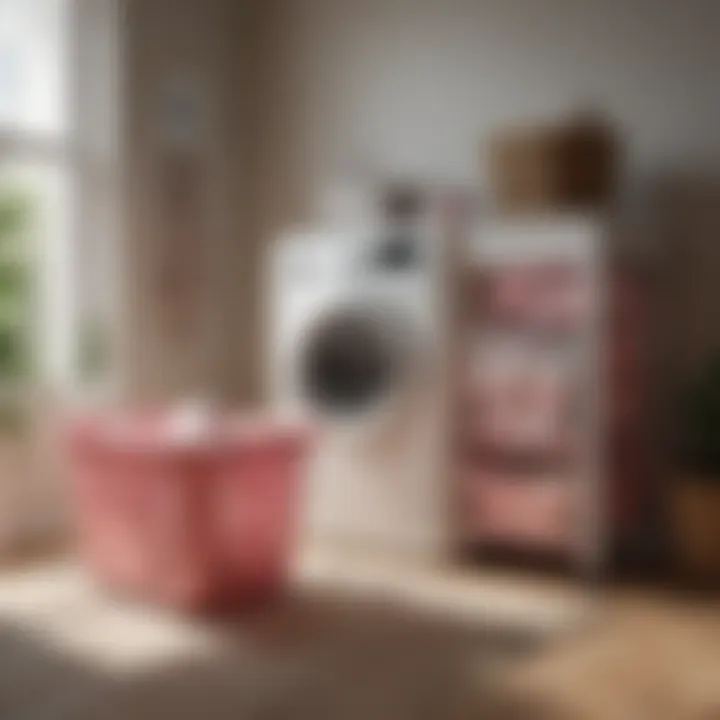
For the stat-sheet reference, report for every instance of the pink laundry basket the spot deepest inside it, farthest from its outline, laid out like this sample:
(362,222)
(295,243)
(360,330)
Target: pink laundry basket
(200,524)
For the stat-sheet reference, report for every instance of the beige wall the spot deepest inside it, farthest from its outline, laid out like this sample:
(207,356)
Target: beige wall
(414,85)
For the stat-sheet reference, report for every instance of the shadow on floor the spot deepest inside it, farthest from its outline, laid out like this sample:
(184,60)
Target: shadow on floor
(314,659)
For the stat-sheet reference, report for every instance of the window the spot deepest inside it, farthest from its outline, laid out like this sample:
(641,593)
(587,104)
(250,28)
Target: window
(57,203)
(57,160)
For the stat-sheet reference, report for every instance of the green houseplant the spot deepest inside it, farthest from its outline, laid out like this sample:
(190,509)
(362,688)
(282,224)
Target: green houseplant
(15,217)
(697,495)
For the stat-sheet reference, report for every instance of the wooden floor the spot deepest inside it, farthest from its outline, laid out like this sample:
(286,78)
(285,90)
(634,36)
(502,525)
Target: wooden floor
(360,641)
(646,658)
(612,654)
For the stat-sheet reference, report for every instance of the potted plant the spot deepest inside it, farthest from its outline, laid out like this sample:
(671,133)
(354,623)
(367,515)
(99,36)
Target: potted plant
(697,496)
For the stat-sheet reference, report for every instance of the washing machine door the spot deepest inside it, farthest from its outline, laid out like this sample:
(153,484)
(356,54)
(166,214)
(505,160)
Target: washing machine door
(358,359)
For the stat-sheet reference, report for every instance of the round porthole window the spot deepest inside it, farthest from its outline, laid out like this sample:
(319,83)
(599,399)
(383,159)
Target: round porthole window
(349,362)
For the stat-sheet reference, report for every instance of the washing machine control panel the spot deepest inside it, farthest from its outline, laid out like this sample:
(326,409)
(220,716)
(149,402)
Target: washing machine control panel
(397,252)
(399,248)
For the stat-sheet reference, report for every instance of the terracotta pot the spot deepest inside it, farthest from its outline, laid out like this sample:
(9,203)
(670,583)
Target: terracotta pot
(697,528)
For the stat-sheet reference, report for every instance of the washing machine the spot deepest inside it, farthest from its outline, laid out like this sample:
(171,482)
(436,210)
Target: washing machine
(359,348)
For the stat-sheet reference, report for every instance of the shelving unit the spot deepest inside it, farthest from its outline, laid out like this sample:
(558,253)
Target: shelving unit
(529,404)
